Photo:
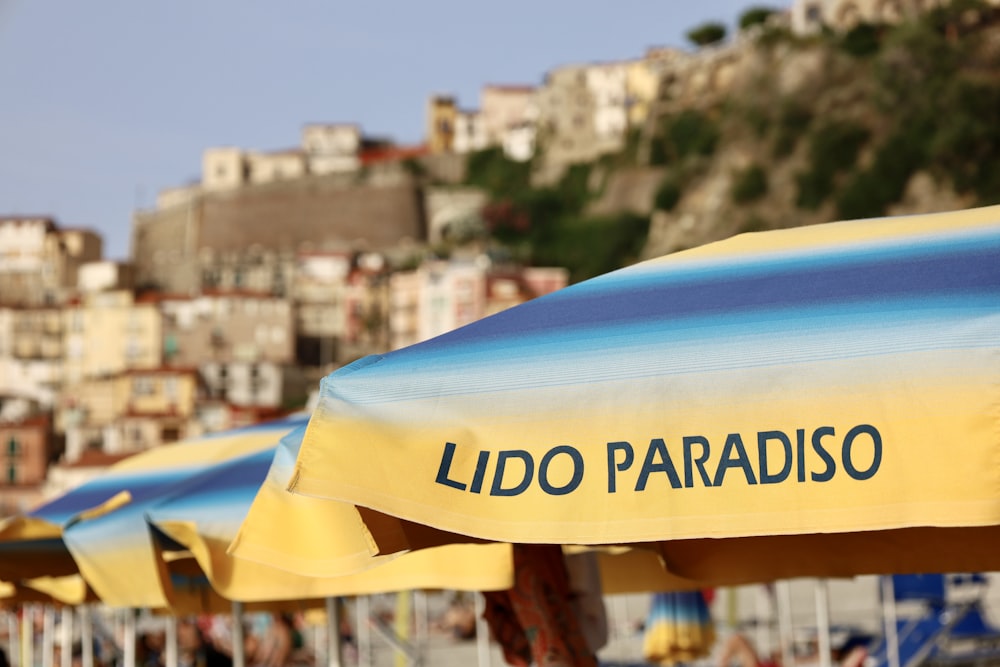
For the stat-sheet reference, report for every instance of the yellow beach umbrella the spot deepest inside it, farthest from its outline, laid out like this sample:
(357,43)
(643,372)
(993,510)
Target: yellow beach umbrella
(817,401)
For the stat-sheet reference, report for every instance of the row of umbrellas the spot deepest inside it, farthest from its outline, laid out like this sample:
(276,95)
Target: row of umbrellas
(154,530)
(153,533)
(818,401)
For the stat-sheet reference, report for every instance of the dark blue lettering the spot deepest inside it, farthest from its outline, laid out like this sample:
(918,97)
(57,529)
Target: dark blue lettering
(613,466)
(445,467)
(690,462)
(831,467)
(800,451)
(657,447)
(543,471)
(848,451)
(734,444)
(480,474)
(786,444)
(520,487)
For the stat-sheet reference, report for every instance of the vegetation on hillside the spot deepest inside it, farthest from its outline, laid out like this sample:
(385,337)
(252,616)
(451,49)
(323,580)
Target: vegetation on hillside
(889,102)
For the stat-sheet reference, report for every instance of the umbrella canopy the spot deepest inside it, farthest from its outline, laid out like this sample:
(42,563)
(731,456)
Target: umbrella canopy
(96,522)
(204,515)
(679,628)
(821,400)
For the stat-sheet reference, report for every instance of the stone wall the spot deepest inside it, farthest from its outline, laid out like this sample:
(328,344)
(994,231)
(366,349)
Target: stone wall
(169,246)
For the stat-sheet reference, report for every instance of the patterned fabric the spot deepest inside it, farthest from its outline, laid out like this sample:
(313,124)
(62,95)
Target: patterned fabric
(534,621)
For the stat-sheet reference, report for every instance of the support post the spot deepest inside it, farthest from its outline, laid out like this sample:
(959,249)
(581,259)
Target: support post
(239,645)
(823,622)
(334,650)
(482,633)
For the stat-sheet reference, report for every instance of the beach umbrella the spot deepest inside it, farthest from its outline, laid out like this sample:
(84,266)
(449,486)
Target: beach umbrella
(816,401)
(679,628)
(92,522)
(204,515)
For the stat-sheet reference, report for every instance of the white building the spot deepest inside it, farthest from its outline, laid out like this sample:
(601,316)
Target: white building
(503,107)
(519,141)
(436,298)
(248,384)
(275,166)
(608,85)
(469,132)
(105,276)
(332,147)
(325,149)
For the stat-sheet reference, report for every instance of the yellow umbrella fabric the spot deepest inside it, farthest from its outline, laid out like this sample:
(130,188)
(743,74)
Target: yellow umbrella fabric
(813,401)
(102,523)
(159,540)
(205,514)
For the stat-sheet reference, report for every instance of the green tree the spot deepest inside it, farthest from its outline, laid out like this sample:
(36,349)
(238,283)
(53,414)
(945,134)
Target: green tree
(755,16)
(706,33)
(749,185)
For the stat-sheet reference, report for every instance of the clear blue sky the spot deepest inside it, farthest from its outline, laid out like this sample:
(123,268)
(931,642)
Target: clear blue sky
(105,102)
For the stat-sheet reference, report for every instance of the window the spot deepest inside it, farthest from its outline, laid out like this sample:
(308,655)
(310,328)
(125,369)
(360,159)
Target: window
(13,447)
(142,386)
(12,474)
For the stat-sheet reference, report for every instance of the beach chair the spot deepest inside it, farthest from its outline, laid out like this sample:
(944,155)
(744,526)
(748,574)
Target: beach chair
(949,627)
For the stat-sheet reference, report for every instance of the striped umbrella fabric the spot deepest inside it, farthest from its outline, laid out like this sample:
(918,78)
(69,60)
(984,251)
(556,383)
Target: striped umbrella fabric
(821,400)
(204,515)
(101,524)
(679,628)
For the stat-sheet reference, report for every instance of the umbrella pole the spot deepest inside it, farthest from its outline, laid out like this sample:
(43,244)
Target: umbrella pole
(364,631)
(420,623)
(87,636)
(822,593)
(783,590)
(404,610)
(66,637)
(239,646)
(12,634)
(48,636)
(333,644)
(762,619)
(28,635)
(889,620)
(482,633)
(171,648)
(128,638)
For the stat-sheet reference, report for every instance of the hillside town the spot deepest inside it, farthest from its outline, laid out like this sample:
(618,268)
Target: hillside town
(246,286)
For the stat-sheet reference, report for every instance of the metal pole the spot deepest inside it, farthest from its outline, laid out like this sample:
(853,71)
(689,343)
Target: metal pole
(13,650)
(48,636)
(783,589)
(482,633)
(363,610)
(86,636)
(823,621)
(404,612)
(239,646)
(762,620)
(128,638)
(171,655)
(66,638)
(28,635)
(333,645)
(889,620)
(421,624)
